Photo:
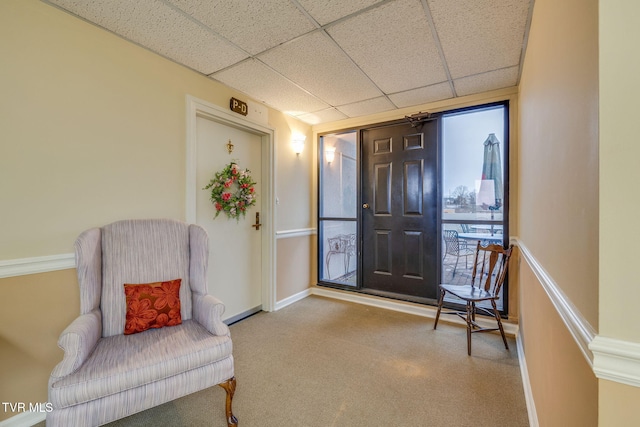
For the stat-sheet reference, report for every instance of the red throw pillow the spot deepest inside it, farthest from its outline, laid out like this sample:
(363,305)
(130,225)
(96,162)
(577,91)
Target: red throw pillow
(152,305)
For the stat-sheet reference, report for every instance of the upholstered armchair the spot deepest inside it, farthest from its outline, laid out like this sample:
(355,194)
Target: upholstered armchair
(148,332)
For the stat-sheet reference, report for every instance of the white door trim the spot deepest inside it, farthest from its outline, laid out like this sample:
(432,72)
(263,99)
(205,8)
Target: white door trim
(197,107)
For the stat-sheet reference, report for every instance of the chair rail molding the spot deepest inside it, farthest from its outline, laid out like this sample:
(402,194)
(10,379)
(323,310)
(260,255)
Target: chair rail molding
(616,360)
(581,330)
(298,232)
(610,358)
(34,265)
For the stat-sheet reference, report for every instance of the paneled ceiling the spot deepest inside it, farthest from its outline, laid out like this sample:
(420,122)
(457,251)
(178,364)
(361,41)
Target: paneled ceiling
(327,60)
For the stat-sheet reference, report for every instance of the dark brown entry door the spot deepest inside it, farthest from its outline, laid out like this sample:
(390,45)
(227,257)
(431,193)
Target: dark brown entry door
(400,239)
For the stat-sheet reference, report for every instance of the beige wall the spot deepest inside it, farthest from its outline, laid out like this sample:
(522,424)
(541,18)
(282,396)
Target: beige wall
(34,310)
(619,204)
(558,209)
(564,388)
(296,258)
(619,171)
(618,405)
(558,203)
(94,130)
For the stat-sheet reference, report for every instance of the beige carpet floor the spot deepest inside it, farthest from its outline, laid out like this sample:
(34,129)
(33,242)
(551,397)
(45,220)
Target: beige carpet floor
(322,362)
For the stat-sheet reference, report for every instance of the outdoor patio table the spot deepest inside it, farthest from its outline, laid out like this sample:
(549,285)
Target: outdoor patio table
(484,237)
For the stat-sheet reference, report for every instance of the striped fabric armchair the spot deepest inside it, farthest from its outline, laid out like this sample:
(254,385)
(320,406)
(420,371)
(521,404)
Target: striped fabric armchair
(128,353)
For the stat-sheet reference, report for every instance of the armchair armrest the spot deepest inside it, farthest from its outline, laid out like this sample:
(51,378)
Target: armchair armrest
(78,341)
(208,310)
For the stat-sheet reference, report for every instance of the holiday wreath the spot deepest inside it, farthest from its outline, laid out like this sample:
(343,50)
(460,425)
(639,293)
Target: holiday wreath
(232,191)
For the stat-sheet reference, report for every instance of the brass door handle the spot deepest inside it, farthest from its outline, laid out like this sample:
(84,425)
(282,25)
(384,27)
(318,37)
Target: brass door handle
(365,206)
(257,224)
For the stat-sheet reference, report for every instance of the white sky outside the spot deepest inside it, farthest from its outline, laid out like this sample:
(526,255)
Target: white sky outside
(463,136)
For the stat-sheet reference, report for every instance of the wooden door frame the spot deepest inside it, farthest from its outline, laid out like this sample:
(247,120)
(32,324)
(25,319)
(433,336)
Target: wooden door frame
(200,108)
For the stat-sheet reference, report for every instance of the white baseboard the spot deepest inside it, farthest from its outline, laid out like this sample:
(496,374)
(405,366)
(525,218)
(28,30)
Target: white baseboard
(526,385)
(24,419)
(407,307)
(293,298)
(42,264)
(233,319)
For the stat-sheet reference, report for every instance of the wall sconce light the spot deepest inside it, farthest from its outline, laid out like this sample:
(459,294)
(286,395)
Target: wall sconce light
(330,154)
(297,141)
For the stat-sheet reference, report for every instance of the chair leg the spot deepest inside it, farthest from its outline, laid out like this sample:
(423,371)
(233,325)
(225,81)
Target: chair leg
(346,263)
(497,314)
(440,301)
(230,387)
(469,315)
(455,266)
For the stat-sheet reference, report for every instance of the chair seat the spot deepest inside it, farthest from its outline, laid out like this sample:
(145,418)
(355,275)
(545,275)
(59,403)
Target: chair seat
(121,362)
(469,293)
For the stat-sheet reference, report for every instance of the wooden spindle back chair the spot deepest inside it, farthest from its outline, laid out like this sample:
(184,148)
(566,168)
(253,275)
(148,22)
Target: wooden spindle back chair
(487,278)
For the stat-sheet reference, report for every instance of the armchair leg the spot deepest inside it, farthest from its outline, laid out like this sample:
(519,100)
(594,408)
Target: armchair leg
(230,387)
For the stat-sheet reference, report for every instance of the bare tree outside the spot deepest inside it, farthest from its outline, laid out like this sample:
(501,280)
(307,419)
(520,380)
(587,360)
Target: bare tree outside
(463,198)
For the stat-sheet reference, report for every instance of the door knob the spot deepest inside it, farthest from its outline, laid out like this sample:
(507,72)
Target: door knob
(365,206)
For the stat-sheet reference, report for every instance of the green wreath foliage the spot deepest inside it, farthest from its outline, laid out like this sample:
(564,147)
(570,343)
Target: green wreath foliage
(232,191)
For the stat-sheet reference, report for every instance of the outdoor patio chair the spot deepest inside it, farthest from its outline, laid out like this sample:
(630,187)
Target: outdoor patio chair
(344,245)
(453,246)
(487,278)
(148,332)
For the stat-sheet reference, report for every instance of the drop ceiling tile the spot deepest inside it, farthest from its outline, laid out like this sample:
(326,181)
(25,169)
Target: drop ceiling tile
(480,35)
(317,64)
(253,25)
(330,10)
(507,77)
(323,116)
(422,95)
(393,45)
(156,26)
(364,108)
(259,81)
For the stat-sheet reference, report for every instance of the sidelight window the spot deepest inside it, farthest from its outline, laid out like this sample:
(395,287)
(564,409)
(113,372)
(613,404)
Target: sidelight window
(474,191)
(338,197)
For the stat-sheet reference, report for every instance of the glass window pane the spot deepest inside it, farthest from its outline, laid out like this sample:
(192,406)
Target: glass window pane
(473,144)
(473,154)
(458,255)
(338,249)
(338,176)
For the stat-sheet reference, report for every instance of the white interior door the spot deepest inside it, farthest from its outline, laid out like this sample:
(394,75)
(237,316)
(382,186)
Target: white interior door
(234,246)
